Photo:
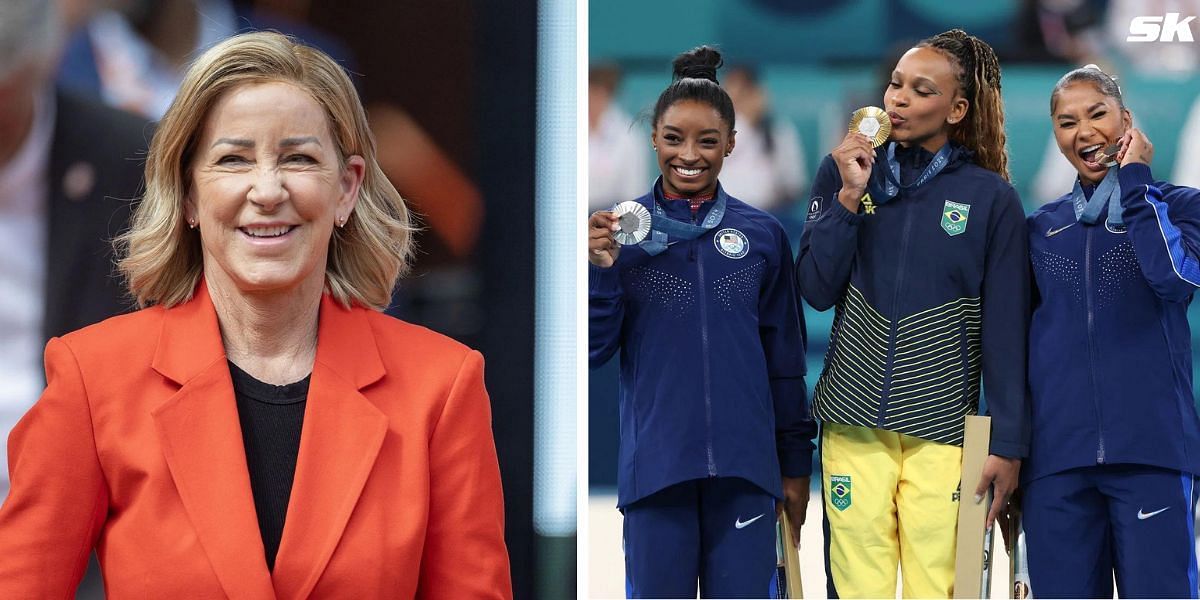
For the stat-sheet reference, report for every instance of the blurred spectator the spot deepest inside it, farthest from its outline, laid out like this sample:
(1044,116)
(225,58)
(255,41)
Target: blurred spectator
(766,169)
(132,53)
(1070,29)
(618,164)
(1187,156)
(1054,175)
(69,169)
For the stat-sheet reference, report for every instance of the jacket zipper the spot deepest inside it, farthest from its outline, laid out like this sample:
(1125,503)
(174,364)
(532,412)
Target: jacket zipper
(891,351)
(1091,326)
(712,463)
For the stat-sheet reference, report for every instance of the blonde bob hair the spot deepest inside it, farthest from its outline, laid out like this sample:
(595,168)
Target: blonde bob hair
(161,257)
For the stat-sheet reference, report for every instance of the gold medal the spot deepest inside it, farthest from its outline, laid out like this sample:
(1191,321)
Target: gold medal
(872,122)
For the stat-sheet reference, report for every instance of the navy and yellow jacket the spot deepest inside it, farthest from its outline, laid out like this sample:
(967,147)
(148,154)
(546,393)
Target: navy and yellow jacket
(712,354)
(932,291)
(1110,359)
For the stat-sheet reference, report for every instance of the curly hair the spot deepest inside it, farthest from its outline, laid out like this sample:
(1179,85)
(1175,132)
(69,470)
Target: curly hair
(979,79)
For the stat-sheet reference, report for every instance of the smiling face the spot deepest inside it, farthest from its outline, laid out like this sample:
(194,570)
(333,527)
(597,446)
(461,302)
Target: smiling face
(1085,121)
(923,99)
(691,142)
(267,188)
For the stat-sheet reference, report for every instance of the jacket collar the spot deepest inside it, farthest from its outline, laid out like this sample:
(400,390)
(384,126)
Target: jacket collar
(679,209)
(202,443)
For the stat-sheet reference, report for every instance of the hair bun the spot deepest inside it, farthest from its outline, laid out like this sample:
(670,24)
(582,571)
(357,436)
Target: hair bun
(698,63)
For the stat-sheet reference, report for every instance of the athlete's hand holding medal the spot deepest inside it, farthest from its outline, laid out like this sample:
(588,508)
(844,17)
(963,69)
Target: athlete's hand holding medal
(855,156)
(602,247)
(1135,147)
(626,224)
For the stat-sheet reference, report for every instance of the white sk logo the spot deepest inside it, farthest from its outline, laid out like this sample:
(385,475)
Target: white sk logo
(1148,29)
(739,524)
(1142,516)
(1054,232)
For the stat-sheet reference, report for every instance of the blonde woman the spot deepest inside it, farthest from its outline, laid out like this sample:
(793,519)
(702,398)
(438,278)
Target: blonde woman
(259,429)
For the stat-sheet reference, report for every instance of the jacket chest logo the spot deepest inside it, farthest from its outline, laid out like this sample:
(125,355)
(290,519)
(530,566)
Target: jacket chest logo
(732,243)
(954,217)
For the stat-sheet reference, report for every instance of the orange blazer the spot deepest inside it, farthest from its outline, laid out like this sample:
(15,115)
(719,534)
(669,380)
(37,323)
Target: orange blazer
(135,449)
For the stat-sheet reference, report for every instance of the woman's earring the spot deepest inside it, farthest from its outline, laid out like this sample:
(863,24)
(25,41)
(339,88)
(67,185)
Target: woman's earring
(191,223)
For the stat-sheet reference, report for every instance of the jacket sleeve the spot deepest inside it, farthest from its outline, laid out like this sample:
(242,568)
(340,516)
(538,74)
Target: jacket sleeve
(59,498)
(781,328)
(1006,298)
(1165,236)
(465,555)
(829,241)
(606,311)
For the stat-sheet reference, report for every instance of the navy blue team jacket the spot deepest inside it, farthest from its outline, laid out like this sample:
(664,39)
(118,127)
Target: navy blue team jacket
(932,294)
(712,354)
(1110,355)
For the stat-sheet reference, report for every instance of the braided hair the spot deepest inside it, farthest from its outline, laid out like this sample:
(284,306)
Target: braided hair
(695,78)
(982,131)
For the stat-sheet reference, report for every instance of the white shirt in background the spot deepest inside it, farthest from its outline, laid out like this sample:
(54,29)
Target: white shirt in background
(133,75)
(618,161)
(1187,156)
(24,192)
(765,180)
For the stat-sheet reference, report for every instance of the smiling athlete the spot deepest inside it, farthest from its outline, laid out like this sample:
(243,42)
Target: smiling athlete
(1110,483)
(715,429)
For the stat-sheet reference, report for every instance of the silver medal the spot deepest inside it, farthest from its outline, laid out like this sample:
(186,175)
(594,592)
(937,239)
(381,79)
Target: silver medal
(634,222)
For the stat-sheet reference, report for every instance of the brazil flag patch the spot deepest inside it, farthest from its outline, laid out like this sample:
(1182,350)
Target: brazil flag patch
(839,491)
(954,217)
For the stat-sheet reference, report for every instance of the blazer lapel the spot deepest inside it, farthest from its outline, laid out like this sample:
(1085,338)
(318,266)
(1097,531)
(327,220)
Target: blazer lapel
(343,432)
(201,438)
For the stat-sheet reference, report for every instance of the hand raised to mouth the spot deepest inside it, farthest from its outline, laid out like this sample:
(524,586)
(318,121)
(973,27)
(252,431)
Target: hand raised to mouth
(1108,156)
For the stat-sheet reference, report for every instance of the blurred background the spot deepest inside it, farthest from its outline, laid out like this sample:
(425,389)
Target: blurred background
(473,106)
(796,69)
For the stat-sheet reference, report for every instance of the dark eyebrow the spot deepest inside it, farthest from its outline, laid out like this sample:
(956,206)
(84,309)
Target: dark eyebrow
(917,79)
(1089,109)
(678,130)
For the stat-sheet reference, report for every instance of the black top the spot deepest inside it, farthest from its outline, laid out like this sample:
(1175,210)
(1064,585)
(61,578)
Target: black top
(271,418)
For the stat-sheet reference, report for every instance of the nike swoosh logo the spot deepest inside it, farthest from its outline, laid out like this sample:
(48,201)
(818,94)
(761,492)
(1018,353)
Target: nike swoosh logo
(1142,516)
(1054,232)
(742,524)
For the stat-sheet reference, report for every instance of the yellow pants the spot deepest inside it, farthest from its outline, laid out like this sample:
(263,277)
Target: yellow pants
(890,499)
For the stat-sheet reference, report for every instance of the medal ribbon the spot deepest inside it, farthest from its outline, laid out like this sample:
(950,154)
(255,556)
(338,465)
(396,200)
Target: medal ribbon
(663,227)
(1108,192)
(891,184)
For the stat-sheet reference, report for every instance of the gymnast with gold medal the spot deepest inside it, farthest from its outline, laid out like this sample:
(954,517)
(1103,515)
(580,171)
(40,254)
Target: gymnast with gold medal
(917,238)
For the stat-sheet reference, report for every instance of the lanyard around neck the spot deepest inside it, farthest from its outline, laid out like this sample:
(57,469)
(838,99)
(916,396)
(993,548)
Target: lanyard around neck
(663,227)
(891,184)
(1108,192)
